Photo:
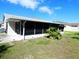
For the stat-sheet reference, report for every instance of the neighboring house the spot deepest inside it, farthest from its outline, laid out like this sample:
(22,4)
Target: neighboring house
(1,27)
(0,24)
(18,27)
(72,27)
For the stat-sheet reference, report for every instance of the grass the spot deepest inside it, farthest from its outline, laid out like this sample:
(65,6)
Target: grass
(73,35)
(43,48)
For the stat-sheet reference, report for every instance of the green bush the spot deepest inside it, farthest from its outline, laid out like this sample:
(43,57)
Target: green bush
(54,33)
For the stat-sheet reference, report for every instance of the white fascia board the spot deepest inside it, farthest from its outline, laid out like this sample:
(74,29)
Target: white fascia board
(13,17)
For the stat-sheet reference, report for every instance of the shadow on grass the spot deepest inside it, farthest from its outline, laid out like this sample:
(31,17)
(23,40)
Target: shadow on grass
(75,38)
(57,37)
(76,33)
(4,48)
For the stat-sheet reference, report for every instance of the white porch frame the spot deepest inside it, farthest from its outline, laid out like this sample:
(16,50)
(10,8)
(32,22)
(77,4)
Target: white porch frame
(24,30)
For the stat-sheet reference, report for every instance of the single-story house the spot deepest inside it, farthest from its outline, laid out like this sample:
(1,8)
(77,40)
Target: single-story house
(19,27)
(1,27)
(73,27)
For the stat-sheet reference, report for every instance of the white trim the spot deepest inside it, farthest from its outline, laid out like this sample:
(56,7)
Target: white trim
(24,30)
(10,17)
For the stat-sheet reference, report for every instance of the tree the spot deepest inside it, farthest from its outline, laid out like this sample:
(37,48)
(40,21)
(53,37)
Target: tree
(54,33)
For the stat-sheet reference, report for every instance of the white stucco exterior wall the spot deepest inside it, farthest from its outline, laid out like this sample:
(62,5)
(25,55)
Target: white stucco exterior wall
(69,28)
(10,28)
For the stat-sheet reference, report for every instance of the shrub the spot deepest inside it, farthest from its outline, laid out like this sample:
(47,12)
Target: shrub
(54,33)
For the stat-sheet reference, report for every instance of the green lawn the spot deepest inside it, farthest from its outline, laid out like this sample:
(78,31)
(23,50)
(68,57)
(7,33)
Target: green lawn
(42,48)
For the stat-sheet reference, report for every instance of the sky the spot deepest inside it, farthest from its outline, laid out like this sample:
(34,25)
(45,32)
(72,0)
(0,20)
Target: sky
(49,10)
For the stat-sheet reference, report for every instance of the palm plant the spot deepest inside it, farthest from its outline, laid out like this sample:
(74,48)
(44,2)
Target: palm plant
(54,33)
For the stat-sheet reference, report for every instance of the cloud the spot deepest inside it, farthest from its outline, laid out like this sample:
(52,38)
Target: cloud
(45,9)
(13,1)
(58,8)
(32,4)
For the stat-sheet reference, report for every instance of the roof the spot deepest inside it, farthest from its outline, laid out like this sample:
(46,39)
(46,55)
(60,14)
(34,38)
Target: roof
(72,24)
(14,17)
(59,22)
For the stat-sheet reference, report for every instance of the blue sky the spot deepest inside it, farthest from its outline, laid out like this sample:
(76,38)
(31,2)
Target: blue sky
(50,10)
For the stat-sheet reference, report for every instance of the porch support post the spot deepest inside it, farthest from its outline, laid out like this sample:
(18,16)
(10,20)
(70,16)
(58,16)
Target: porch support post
(42,29)
(24,30)
(34,29)
(20,27)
